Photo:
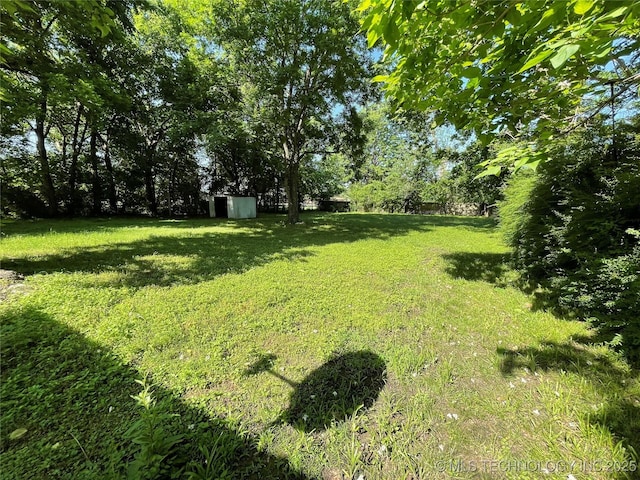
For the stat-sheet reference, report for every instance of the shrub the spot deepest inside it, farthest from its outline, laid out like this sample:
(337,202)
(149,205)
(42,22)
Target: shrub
(573,229)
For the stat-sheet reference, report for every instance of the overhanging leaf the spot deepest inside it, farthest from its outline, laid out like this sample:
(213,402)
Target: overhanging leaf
(583,6)
(380,78)
(564,54)
(492,170)
(614,13)
(391,33)
(536,60)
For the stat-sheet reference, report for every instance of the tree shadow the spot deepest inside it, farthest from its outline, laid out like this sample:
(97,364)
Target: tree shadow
(67,412)
(485,267)
(105,224)
(496,269)
(473,223)
(196,254)
(331,393)
(621,411)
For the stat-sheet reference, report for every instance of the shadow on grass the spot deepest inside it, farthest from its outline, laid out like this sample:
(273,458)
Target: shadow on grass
(67,412)
(473,223)
(485,267)
(494,268)
(106,224)
(198,255)
(621,411)
(336,390)
(331,393)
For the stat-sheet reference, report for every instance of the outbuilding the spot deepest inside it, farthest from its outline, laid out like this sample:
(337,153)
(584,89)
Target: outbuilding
(232,207)
(334,204)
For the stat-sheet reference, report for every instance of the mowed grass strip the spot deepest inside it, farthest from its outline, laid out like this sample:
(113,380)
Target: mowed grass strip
(387,346)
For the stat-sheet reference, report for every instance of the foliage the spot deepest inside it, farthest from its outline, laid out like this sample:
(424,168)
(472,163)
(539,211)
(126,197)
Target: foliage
(400,169)
(574,226)
(305,63)
(460,182)
(514,210)
(149,434)
(325,177)
(54,70)
(395,164)
(156,104)
(117,111)
(495,66)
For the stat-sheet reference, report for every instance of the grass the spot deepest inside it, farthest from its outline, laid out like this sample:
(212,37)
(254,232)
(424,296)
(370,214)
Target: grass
(381,346)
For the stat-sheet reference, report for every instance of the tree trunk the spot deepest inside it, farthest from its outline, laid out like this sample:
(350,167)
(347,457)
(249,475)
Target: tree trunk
(292,184)
(113,199)
(172,184)
(95,181)
(73,169)
(150,188)
(48,188)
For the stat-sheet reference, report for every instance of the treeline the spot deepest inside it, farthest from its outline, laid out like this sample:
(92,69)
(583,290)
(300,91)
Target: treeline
(113,106)
(407,165)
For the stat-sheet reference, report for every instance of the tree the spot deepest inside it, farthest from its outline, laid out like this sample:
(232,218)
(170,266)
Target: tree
(47,57)
(324,177)
(397,161)
(170,107)
(521,67)
(460,182)
(305,59)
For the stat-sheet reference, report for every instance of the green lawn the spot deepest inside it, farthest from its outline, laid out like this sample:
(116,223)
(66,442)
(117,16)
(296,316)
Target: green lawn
(381,346)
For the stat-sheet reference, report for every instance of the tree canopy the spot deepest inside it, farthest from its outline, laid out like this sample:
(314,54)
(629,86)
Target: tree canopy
(150,105)
(306,65)
(522,67)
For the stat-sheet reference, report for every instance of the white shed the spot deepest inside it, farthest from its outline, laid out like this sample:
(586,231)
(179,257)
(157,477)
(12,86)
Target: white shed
(233,207)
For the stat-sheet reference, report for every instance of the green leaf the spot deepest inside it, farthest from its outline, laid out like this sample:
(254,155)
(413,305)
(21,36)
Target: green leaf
(535,60)
(583,6)
(17,433)
(564,54)
(408,6)
(545,21)
(12,6)
(471,72)
(492,170)
(380,78)
(391,33)
(614,13)
(513,16)
(372,37)
(533,165)
(364,5)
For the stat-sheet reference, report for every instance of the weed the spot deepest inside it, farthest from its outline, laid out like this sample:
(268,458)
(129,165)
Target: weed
(155,443)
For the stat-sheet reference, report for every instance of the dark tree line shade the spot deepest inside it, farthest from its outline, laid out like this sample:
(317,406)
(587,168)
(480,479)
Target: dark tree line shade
(146,107)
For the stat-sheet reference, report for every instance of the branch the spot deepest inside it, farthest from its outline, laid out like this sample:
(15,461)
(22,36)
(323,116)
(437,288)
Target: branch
(630,81)
(318,152)
(50,24)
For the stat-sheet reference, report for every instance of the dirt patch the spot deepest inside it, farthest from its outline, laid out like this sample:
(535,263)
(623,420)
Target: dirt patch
(11,283)
(10,275)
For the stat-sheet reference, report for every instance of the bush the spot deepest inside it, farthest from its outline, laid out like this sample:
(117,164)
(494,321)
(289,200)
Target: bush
(573,227)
